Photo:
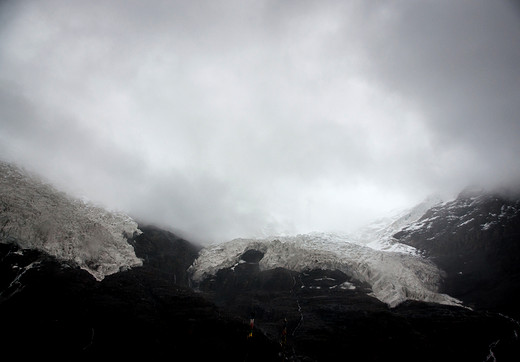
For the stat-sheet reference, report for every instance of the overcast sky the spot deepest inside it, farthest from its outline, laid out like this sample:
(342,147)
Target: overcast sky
(223,119)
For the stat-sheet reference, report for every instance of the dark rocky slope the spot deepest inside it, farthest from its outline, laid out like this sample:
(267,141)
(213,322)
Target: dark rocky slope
(166,253)
(475,239)
(327,322)
(53,309)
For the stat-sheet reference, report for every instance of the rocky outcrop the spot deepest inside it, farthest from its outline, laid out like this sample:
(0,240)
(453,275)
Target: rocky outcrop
(475,239)
(165,252)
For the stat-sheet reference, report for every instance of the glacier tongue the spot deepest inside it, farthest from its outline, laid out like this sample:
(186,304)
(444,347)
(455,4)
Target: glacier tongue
(394,277)
(36,216)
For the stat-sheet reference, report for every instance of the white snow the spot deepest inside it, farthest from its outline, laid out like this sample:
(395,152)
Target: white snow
(36,216)
(379,234)
(345,286)
(488,225)
(466,222)
(394,277)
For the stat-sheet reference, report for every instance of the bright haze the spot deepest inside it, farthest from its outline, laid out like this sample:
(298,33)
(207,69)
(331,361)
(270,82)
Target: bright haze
(223,119)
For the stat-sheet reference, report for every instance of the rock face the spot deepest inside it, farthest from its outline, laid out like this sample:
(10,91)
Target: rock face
(166,253)
(475,239)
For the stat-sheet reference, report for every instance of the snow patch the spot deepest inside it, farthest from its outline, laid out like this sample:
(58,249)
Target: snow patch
(488,225)
(344,286)
(466,222)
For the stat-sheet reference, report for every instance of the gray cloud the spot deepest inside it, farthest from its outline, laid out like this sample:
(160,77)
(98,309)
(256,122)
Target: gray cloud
(227,119)
(460,65)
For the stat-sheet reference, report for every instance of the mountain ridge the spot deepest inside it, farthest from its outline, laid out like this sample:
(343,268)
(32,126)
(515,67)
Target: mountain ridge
(311,297)
(475,239)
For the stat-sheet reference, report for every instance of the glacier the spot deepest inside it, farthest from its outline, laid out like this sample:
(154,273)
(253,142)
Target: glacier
(393,276)
(396,272)
(34,215)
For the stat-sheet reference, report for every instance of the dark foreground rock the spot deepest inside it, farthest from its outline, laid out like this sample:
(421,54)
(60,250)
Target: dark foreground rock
(55,310)
(330,317)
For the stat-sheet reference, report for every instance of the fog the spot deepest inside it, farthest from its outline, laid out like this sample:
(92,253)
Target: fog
(228,119)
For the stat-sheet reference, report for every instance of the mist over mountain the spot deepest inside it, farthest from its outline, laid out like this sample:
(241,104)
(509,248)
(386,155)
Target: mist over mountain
(438,282)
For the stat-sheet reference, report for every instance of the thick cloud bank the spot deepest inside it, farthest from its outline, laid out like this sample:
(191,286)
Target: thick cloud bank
(231,118)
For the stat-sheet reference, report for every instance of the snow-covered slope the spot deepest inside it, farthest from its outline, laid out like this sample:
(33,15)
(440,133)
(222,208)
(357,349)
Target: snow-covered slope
(379,234)
(475,240)
(394,277)
(478,212)
(36,216)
